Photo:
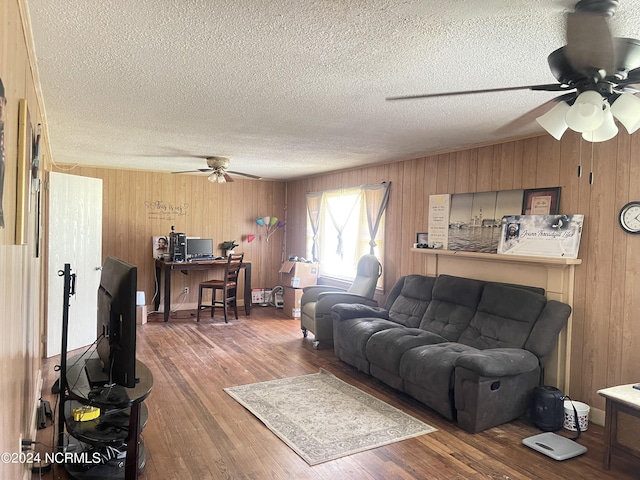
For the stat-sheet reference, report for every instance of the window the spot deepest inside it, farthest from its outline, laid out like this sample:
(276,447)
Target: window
(340,226)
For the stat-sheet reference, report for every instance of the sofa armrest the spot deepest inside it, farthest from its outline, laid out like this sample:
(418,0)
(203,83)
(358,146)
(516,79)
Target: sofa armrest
(326,300)
(498,362)
(346,311)
(311,294)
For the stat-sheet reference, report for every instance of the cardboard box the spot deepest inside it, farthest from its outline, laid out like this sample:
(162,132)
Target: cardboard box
(260,295)
(141,314)
(257,295)
(291,300)
(299,274)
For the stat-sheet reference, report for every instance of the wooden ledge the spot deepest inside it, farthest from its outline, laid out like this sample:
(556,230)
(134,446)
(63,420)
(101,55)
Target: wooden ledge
(499,257)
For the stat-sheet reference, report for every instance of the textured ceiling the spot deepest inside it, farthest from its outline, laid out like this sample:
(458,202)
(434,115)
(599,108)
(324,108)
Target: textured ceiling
(289,88)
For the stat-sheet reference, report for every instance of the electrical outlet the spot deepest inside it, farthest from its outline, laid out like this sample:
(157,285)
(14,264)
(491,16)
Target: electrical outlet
(186,290)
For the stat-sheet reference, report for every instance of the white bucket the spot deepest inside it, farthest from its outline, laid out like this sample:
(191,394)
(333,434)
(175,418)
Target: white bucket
(569,416)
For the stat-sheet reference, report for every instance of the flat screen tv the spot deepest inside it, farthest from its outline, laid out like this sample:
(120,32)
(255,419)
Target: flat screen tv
(116,333)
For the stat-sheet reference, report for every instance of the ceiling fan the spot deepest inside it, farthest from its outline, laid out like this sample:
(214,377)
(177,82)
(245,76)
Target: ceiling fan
(218,169)
(596,73)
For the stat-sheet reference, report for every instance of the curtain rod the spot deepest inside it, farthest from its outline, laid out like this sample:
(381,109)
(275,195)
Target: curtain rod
(345,188)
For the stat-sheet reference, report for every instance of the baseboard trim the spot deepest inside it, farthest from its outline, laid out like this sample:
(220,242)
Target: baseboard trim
(33,425)
(596,416)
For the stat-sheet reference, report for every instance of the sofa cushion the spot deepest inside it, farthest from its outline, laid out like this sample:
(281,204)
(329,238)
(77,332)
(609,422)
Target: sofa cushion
(428,374)
(385,349)
(353,336)
(544,335)
(454,302)
(412,301)
(504,318)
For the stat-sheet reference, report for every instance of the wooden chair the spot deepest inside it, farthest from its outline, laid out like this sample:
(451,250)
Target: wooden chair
(228,285)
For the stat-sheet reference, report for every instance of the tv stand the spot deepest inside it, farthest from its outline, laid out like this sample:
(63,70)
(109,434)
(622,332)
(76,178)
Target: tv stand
(123,414)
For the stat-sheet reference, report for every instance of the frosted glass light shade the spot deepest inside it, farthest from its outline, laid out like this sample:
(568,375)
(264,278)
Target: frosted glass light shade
(553,121)
(627,110)
(605,132)
(215,177)
(586,114)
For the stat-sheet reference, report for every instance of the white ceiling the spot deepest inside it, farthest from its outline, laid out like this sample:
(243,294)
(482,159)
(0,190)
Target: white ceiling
(289,88)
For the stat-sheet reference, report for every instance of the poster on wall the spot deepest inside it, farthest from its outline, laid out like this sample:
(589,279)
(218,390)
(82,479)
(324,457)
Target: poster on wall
(160,245)
(439,220)
(553,236)
(474,219)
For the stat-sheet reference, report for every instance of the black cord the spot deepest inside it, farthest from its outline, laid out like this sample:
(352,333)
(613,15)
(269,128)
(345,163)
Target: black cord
(95,344)
(575,418)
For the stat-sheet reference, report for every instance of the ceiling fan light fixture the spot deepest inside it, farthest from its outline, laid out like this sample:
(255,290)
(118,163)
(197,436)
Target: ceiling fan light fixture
(553,121)
(587,113)
(216,177)
(605,132)
(626,109)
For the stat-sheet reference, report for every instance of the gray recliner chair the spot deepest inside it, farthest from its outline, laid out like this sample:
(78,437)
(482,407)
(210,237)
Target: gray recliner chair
(316,301)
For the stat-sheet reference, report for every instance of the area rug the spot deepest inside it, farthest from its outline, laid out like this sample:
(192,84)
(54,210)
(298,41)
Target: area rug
(323,418)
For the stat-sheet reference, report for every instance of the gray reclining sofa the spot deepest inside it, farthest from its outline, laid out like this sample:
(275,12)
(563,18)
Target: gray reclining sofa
(471,350)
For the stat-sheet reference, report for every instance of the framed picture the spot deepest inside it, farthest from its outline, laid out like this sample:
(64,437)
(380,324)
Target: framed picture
(422,238)
(23,180)
(541,201)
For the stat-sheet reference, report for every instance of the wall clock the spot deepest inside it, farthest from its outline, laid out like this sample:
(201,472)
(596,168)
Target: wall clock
(630,217)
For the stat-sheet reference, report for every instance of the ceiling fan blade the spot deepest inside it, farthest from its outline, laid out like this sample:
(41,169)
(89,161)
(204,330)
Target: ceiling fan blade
(248,175)
(632,77)
(552,87)
(590,44)
(202,170)
(227,178)
(531,115)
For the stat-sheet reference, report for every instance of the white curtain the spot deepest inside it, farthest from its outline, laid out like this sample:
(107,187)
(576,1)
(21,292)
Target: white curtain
(345,224)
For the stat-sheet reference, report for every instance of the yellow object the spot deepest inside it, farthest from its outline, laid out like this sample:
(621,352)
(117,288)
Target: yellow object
(83,414)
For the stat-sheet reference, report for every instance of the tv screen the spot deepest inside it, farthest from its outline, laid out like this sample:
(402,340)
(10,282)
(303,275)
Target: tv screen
(199,247)
(116,333)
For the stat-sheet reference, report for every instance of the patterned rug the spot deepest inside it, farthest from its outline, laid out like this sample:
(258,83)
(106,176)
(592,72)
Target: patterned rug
(323,418)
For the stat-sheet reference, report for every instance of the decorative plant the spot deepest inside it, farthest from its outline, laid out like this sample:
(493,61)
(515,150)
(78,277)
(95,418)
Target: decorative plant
(228,245)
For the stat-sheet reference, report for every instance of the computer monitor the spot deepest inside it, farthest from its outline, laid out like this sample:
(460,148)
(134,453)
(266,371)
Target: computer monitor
(199,247)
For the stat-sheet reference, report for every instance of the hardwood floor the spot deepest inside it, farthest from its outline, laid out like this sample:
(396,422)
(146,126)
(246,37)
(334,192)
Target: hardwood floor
(197,431)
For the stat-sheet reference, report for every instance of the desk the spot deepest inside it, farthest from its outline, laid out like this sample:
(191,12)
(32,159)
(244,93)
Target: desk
(185,267)
(620,435)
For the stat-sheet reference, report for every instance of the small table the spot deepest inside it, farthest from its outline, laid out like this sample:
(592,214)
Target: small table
(185,267)
(621,399)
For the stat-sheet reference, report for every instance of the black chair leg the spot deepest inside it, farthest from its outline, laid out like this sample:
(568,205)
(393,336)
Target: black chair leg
(225,304)
(199,303)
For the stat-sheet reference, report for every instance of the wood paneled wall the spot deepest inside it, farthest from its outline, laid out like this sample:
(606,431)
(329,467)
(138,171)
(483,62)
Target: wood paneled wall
(20,270)
(606,323)
(138,205)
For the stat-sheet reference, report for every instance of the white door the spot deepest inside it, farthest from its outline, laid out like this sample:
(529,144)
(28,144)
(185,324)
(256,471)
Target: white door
(75,237)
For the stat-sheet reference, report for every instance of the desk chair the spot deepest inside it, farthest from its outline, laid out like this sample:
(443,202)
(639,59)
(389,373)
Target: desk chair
(316,301)
(228,285)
